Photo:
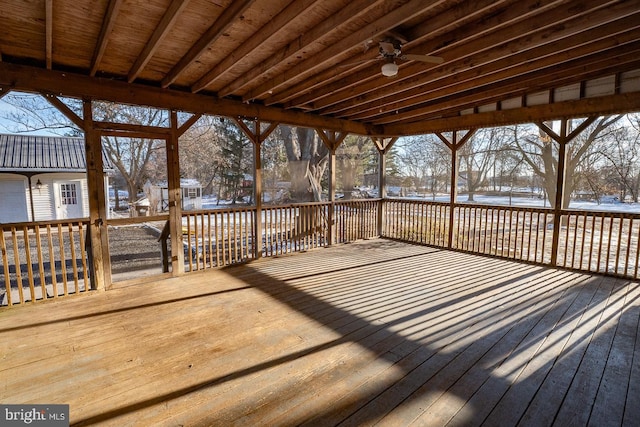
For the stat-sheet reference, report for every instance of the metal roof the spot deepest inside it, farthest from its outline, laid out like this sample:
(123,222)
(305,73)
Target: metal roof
(35,153)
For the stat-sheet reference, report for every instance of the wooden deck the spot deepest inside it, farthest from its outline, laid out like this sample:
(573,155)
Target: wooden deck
(375,331)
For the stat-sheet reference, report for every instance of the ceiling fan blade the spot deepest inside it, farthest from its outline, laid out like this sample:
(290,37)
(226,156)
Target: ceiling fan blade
(423,58)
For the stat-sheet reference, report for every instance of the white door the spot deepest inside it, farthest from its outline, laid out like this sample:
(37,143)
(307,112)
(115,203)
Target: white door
(68,200)
(13,201)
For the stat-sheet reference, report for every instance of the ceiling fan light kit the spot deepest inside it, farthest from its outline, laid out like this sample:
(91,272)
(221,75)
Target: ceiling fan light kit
(389,69)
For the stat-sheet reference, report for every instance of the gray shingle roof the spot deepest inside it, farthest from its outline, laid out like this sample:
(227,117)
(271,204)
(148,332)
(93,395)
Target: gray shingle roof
(30,153)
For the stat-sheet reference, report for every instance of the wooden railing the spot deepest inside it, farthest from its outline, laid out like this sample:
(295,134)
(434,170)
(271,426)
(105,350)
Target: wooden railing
(600,242)
(219,237)
(511,232)
(50,259)
(416,221)
(43,260)
(294,228)
(355,220)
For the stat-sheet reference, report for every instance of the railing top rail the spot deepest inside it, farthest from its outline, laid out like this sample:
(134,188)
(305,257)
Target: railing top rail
(548,210)
(33,224)
(504,207)
(137,219)
(219,210)
(296,205)
(415,201)
(611,214)
(349,201)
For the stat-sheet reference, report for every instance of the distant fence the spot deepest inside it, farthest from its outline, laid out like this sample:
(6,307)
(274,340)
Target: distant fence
(43,260)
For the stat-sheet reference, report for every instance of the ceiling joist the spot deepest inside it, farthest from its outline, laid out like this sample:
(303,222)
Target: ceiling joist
(317,63)
(226,19)
(167,21)
(107,26)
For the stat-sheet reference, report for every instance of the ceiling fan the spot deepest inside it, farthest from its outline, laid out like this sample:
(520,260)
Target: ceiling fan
(390,51)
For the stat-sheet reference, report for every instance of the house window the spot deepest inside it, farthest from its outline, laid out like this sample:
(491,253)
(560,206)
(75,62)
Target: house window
(68,194)
(192,193)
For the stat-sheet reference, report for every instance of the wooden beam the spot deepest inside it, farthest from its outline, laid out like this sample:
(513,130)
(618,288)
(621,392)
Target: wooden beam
(188,123)
(536,43)
(48,5)
(101,262)
(64,109)
(389,21)
(383,144)
(175,197)
(600,105)
(272,27)
(226,19)
(30,79)
(454,144)
(453,106)
(593,66)
(354,10)
(449,19)
(257,136)
(422,87)
(128,127)
(163,27)
(103,39)
(331,140)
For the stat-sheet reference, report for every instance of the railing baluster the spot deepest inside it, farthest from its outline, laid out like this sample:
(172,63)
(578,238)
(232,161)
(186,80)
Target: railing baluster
(83,256)
(52,263)
(16,254)
(63,261)
(618,244)
(27,252)
(628,251)
(5,265)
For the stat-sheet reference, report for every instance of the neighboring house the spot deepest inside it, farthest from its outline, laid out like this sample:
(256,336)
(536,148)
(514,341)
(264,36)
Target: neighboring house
(158,195)
(43,178)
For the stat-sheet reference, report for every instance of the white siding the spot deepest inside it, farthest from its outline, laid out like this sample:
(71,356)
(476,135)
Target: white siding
(44,200)
(14,205)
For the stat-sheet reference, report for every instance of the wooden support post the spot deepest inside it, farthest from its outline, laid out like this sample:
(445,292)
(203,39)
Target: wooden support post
(101,262)
(257,135)
(331,238)
(175,197)
(257,191)
(332,141)
(382,185)
(454,190)
(454,145)
(383,145)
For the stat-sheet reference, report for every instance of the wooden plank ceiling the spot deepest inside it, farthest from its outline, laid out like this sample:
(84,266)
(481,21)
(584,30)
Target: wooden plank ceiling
(321,60)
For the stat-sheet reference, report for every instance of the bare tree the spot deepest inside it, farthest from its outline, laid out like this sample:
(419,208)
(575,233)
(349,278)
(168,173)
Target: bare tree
(478,155)
(623,154)
(540,153)
(427,161)
(308,160)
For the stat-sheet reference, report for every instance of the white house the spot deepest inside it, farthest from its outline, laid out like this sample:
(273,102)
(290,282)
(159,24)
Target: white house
(43,178)
(158,195)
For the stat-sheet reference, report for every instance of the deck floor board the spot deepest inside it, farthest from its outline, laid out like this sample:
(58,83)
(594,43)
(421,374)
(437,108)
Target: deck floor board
(371,332)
